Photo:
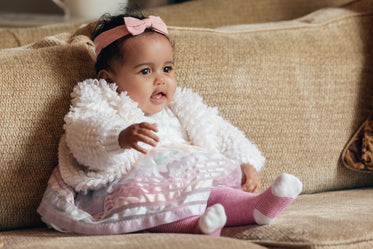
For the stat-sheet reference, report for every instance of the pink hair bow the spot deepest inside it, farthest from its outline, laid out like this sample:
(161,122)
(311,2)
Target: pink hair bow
(132,26)
(136,26)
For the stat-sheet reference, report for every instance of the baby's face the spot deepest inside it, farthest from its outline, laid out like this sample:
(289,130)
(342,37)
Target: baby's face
(147,72)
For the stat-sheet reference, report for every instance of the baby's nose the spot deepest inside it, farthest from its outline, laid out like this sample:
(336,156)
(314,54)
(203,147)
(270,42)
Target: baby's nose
(159,81)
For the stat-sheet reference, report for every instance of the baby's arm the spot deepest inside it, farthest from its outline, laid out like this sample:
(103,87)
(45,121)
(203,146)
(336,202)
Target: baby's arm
(93,139)
(142,132)
(235,145)
(209,130)
(96,118)
(250,181)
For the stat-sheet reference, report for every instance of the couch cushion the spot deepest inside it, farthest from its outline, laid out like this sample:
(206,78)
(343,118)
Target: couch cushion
(330,220)
(298,89)
(35,85)
(216,13)
(43,238)
(192,13)
(15,37)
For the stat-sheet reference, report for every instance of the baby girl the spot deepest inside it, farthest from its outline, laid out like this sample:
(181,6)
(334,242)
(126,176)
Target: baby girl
(141,154)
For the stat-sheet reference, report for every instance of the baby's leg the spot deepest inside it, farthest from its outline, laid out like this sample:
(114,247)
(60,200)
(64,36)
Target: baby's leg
(246,208)
(210,223)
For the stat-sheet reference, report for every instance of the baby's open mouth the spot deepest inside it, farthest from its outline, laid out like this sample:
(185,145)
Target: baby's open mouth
(158,96)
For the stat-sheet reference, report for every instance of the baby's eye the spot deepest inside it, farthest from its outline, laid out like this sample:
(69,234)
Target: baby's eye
(145,71)
(167,69)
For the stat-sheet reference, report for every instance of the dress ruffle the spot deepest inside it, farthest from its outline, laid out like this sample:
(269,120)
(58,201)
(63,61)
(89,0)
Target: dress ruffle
(166,185)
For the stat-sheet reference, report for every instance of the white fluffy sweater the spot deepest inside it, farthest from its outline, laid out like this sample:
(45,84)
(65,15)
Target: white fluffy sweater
(90,156)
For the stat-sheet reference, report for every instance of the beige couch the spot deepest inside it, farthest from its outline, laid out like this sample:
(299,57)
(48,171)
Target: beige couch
(299,87)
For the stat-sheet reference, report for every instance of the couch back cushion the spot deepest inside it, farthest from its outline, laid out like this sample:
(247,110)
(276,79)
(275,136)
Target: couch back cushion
(191,13)
(298,89)
(11,37)
(35,84)
(217,13)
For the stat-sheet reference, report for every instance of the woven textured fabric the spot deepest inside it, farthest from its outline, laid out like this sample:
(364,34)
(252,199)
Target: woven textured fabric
(216,13)
(192,14)
(15,37)
(46,239)
(331,220)
(35,85)
(336,220)
(298,89)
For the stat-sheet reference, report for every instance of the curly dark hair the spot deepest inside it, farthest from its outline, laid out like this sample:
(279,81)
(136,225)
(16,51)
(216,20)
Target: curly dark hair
(109,54)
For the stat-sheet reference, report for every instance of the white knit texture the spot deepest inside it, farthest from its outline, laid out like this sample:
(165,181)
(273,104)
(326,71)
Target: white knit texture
(98,114)
(210,131)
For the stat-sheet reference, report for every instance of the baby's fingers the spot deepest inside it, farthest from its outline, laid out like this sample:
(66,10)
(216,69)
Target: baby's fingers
(251,185)
(143,132)
(254,188)
(149,126)
(138,142)
(148,136)
(139,148)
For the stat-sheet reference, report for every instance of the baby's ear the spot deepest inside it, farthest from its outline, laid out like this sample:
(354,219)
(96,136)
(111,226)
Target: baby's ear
(105,74)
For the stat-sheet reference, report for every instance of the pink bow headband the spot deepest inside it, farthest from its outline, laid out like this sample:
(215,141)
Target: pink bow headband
(132,26)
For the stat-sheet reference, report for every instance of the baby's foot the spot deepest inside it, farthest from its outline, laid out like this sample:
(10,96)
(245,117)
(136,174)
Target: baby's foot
(275,199)
(286,185)
(213,220)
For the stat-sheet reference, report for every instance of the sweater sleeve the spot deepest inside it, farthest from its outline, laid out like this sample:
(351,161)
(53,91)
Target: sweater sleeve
(235,145)
(93,125)
(210,131)
(93,139)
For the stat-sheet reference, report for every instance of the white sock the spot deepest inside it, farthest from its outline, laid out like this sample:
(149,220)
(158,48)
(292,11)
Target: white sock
(213,218)
(275,199)
(286,185)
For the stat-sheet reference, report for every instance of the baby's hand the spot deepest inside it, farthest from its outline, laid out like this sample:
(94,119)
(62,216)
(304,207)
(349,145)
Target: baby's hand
(250,179)
(142,132)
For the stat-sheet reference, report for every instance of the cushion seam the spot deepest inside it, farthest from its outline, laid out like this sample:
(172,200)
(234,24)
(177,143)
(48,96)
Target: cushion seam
(300,25)
(15,38)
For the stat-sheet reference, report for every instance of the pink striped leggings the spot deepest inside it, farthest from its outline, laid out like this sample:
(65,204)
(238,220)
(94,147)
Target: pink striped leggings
(239,208)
